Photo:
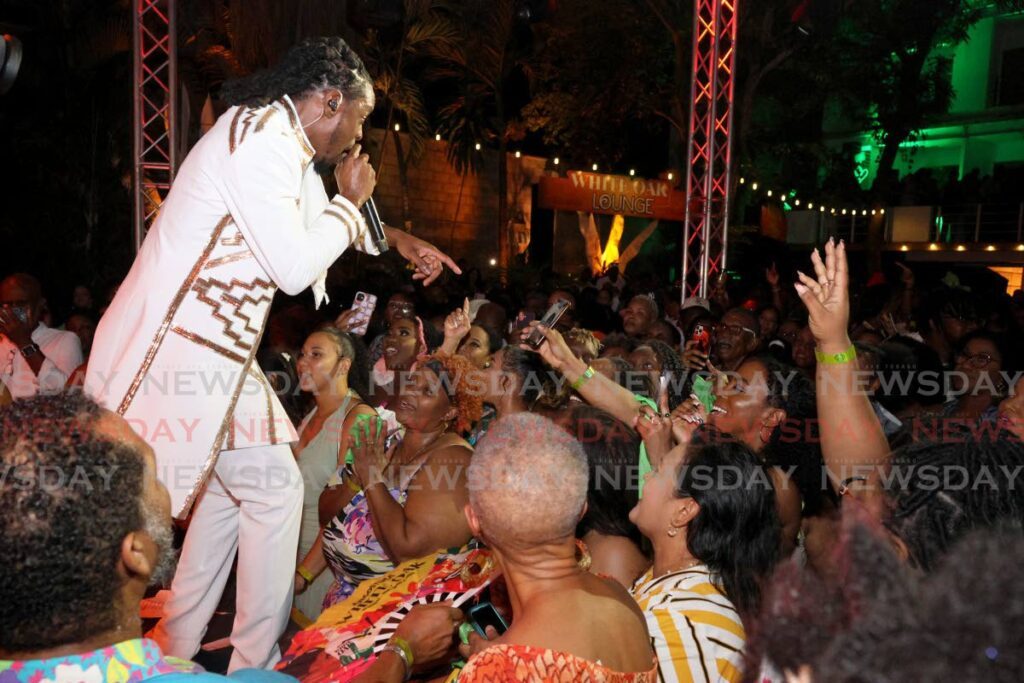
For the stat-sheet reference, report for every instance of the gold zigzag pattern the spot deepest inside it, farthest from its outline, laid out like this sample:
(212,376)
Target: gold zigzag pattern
(202,289)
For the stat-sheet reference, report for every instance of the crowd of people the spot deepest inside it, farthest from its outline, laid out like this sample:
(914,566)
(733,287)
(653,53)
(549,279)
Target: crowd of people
(771,483)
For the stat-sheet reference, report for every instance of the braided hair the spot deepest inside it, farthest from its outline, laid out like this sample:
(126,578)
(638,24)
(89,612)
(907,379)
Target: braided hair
(948,488)
(673,368)
(313,64)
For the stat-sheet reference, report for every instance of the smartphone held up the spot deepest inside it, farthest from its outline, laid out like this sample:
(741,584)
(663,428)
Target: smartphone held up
(553,315)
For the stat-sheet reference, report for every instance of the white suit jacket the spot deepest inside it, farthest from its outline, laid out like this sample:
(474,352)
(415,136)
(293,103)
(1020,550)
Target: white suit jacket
(174,353)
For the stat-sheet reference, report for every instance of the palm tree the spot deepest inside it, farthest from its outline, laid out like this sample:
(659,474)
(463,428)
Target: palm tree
(479,64)
(424,31)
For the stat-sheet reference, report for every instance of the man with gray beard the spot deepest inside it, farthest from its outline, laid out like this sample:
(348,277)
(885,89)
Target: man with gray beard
(86,529)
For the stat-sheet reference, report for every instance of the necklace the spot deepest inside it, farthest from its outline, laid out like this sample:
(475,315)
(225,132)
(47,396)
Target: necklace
(688,565)
(419,451)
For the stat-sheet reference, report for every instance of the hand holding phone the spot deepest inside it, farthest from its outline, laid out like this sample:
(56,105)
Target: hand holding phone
(484,614)
(362,308)
(702,338)
(695,352)
(557,310)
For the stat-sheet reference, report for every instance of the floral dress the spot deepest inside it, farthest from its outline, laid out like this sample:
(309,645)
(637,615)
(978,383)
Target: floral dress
(351,548)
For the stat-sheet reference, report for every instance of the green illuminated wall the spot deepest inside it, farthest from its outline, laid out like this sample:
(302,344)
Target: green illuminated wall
(974,135)
(972,63)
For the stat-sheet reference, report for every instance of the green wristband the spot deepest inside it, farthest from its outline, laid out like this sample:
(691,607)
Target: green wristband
(847,356)
(583,379)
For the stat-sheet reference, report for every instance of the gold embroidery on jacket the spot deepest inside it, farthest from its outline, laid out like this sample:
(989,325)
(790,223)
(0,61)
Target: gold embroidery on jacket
(264,292)
(230,258)
(293,119)
(161,331)
(234,127)
(233,240)
(213,346)
(225,425)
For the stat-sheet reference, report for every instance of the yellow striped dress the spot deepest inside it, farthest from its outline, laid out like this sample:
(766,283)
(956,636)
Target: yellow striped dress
(696,632)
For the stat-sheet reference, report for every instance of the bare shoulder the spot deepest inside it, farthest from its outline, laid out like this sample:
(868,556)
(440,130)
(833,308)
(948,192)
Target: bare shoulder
(455,450)
(620,594)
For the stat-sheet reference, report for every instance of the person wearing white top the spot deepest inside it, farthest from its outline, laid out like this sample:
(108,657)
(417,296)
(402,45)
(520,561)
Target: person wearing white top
(34,358)
(174,353)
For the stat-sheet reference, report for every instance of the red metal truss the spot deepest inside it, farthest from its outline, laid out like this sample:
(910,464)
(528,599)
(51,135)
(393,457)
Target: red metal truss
(154,95)
(709,153)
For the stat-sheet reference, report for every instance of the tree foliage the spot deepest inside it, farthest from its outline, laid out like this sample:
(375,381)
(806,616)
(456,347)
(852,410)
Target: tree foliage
(891,77)
(598,68)
(398,59)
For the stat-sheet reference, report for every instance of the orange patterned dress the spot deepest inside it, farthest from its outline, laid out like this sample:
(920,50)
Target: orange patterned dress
(533,665)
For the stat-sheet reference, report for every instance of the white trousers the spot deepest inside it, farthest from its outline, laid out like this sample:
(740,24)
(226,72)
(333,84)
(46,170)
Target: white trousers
(253,504)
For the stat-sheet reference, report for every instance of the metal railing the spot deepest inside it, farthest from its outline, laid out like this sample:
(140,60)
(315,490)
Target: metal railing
(978,223)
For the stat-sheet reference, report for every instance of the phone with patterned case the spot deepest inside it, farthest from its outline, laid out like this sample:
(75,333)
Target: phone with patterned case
(363,306)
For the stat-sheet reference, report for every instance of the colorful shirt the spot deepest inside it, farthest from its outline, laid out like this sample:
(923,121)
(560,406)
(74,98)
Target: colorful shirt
(126,662)
(530,664)
(696,632)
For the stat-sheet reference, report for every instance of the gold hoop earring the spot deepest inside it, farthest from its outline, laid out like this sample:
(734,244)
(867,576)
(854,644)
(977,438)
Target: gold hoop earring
(672,532)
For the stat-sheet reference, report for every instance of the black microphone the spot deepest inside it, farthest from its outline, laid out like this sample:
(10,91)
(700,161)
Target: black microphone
(380,240)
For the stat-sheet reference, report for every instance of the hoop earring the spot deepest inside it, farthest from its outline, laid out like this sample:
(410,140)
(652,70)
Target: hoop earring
(672,532)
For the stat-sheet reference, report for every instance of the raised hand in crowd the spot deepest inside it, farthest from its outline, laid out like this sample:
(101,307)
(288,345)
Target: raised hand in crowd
(827,298)
(853,444)
(347,320)
(656,429)
(593,387)
(686,418)
(456,327)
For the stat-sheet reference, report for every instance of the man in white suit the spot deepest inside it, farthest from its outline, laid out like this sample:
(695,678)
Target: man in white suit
(174,354)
